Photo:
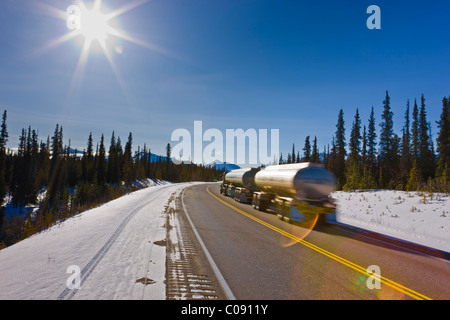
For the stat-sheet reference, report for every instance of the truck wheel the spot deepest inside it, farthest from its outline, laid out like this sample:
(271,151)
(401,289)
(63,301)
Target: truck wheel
(256,203)
(280,213)
(263,206)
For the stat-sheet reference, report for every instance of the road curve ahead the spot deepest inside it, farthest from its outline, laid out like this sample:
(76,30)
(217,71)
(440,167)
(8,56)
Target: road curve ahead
(262,257)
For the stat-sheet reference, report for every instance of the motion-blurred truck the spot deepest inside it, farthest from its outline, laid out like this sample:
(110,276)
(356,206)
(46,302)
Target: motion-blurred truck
(296,192)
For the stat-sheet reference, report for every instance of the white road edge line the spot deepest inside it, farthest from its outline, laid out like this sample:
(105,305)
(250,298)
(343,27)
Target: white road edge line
(229,294)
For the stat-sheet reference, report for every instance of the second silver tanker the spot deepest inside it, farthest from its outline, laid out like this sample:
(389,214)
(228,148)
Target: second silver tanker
(240,184)
(297,192)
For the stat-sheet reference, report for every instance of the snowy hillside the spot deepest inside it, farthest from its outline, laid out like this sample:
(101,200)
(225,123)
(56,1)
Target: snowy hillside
(411,216)
(114,244)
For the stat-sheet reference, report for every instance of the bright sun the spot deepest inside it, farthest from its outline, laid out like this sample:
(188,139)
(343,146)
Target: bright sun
(96,27)
(92,24)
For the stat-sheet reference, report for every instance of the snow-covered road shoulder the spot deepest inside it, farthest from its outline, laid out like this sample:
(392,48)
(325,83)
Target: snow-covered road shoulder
(412,216)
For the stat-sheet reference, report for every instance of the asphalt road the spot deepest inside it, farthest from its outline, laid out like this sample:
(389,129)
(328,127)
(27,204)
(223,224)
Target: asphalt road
(261,257)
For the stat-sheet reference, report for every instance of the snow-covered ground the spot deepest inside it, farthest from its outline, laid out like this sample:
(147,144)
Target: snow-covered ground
(116,248)
(119,248)
(412,216)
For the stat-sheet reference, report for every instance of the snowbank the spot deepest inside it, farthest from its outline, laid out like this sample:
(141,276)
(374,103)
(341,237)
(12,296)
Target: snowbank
(412,216)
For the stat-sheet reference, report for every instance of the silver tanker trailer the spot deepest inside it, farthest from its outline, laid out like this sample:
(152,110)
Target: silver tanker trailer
(297,192)
(239,184)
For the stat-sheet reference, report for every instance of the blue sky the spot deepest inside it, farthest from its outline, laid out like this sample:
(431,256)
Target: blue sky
(287,65)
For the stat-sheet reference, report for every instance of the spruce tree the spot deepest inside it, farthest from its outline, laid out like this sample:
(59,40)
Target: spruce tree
(426,154)
(111,160)
(353,172)
(144,162)
(307,150)
(113,172)
(387,129)
(315,152)
(3,183)
(389,144)
(56,146)
(415,145)
(355,140)
(89,163)
(127,163)
(293,154)
(90,147)
(168,152)
(3,133)
(371,144)
(101,163)
(443,141)
(340,151)
(170,175)
(119,153)
(364,148)
(405,162)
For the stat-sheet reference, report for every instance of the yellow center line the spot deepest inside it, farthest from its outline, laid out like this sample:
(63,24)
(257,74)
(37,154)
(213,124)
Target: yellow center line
(354,266)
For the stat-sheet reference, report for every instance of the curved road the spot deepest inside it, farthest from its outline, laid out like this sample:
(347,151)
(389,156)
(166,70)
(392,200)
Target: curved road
(262,257)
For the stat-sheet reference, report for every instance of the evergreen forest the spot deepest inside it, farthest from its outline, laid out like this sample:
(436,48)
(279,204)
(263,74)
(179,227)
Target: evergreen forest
(381,159)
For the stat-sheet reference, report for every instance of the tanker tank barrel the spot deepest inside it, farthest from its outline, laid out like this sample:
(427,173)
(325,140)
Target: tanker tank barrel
(296,180)
(242,177)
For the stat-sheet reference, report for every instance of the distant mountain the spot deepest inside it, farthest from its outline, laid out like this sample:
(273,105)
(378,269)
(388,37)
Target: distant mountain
(74,152)
(154,157)
(219,165)
(157,158)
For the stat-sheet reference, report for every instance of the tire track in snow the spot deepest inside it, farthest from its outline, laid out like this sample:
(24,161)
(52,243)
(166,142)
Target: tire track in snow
(68,294)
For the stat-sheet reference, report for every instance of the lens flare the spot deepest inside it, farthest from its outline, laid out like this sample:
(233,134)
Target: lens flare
(95,28)
(306,226)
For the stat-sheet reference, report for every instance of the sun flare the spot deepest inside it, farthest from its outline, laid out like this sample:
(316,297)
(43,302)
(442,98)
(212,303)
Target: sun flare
(96,28)
(92,24)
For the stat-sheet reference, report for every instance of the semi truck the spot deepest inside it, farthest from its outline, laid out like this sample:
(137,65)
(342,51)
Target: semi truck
(296,192)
